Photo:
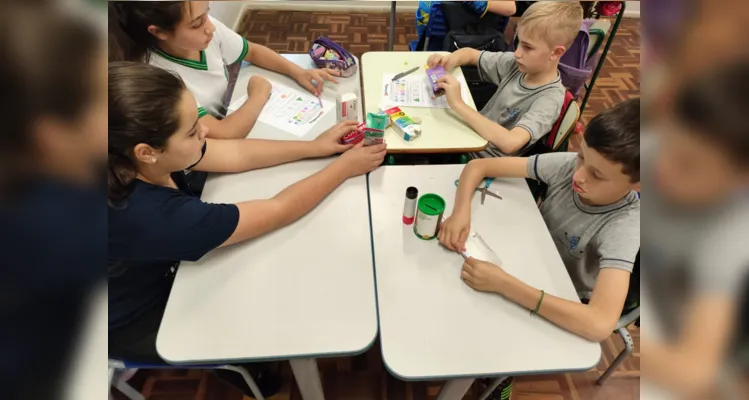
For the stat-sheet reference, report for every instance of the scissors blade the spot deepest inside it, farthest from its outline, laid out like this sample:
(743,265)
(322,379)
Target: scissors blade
(483,196)
(496,196)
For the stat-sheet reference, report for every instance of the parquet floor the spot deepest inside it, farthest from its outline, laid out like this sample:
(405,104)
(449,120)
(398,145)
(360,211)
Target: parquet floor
(363,377)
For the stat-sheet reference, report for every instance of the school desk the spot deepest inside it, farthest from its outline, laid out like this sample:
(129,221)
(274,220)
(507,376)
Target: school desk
(85,379)
(442,130)
(432,325)
(302,292)
(331,91)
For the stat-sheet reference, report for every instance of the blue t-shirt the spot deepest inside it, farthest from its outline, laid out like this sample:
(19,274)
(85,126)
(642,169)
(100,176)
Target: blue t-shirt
(150,232)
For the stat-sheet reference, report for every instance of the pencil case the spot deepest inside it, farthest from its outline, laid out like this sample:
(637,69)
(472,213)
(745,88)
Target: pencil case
(329,54)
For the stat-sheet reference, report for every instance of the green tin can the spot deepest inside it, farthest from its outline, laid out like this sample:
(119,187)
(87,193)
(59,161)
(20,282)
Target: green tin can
(429,212)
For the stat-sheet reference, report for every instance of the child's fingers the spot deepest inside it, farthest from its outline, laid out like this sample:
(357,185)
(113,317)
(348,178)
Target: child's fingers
(466,277)
(309,87)
(344,147)
(330,76)
(463,238)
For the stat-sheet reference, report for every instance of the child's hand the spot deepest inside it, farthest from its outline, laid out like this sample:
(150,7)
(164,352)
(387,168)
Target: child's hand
(258,86)
(447,61)
(454,231)
(329,142)
(305,77)
(483,276)
(360,159)
(451,86)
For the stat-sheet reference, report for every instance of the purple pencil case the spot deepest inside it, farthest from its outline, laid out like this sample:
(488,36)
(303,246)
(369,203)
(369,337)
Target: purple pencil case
(329,54)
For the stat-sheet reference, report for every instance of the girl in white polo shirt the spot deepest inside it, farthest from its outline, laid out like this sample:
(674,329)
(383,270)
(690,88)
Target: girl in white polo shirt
(183,38)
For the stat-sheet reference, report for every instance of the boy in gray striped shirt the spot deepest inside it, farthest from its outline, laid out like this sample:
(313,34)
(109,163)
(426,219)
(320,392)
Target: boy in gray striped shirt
(592,210)
(530,93)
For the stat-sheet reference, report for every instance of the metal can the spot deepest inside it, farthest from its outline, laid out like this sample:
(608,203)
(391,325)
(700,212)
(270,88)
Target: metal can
(409,208)
(429,210)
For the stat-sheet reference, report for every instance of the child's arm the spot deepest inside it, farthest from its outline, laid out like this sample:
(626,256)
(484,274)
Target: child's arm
(594,321)
(690,364)
(261,216)
(508,141)
(534,123)
(456,228)
(241,155)
(239,123)
(506,8)
(266,58)
(464,56)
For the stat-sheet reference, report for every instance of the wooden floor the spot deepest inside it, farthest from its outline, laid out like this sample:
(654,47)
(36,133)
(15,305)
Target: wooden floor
(363,377)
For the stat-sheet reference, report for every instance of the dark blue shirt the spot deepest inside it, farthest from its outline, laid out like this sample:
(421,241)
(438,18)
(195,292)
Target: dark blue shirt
(150,232)
(53,254)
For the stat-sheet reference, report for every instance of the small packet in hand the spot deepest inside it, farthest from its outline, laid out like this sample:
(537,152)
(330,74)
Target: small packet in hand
(433,74)
(374,130)
(353,137)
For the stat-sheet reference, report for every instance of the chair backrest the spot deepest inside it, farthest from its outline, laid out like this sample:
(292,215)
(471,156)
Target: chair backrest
(633,293)
(564,125)
(598,32)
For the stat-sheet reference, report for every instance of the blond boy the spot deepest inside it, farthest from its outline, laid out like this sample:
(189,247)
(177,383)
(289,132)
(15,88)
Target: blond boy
(530,94)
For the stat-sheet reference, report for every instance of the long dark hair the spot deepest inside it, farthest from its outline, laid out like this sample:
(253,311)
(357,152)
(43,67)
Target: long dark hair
(36,84)
(129,39)
(143,108)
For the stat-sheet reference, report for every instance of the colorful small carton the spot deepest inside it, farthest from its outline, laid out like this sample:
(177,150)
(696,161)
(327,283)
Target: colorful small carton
(406,127)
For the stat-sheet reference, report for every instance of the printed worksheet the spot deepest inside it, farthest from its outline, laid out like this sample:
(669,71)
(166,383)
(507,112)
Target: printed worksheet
(414,90)
(293,110)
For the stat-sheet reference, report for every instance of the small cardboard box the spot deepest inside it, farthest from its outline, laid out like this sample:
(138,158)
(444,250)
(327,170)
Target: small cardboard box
(347,107)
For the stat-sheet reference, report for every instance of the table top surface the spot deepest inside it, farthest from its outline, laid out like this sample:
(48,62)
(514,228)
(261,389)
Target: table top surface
(331,91)
(434,326)
(443,131)
(305,290)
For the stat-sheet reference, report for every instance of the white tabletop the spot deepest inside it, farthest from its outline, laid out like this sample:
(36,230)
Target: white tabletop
(442,130)
(306,290)
(432,325)
(330,92)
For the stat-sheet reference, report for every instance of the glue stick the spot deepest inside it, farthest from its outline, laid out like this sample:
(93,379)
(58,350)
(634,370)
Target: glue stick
(409,209)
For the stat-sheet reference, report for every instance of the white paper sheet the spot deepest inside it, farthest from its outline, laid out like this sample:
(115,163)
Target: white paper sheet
(477,248)
(290,109)
(414,90)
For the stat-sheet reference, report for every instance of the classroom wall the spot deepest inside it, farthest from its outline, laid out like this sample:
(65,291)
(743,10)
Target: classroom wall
(228,12)
(311,5)
(232,10)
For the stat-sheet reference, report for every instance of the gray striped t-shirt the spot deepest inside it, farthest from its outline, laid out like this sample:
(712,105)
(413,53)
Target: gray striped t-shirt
(515,104)
(588,238)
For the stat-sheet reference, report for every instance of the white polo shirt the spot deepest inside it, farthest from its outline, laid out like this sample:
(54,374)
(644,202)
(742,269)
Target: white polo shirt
(207,79)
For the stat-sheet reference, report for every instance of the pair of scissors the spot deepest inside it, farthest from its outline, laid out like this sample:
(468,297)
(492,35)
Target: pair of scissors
(484,189)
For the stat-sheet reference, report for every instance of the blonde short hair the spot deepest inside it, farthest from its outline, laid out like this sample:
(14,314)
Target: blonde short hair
(556,22)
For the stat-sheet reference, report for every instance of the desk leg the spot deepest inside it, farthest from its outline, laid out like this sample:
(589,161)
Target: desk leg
(455,389)
(391,36)
(307,378)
